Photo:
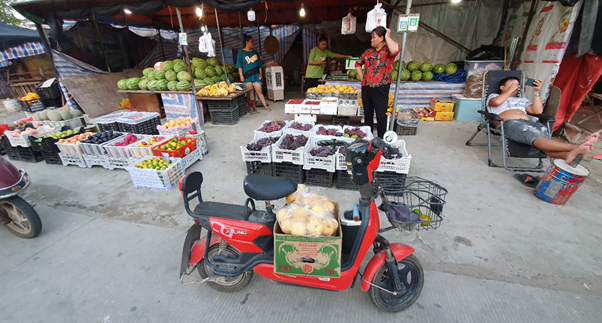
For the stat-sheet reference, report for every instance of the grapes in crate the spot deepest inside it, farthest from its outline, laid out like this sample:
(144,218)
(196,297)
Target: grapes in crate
(260,144)
(391,153)
(323,151)
(301,126)
(290,142)
(354,133)
(272,126)
(101,137)
(326,132)
(343,151)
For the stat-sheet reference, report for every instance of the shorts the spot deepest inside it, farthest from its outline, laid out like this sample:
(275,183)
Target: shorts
(525,131)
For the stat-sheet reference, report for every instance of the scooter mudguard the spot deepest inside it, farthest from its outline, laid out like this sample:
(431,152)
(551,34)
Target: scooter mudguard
(198,249)
(400,251)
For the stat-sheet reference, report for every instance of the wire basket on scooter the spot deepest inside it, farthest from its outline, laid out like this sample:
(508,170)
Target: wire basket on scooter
(416,206)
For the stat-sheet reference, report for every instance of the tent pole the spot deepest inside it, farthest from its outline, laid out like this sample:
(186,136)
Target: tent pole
(161,43)
(242,34)
(221,46)
(399,70)
(196,103)
(47,48)
(102,46)
(519,49)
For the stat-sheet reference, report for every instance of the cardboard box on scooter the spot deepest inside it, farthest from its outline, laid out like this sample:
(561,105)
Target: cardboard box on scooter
(308,256)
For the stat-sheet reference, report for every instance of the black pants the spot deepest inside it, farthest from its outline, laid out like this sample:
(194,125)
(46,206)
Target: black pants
(309,82)
(376,99)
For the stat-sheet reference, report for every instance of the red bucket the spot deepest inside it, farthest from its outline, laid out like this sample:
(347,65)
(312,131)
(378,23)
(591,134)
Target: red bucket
(560,182)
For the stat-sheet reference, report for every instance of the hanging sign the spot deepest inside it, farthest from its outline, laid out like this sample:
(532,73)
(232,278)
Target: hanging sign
(183,39)
(408,23)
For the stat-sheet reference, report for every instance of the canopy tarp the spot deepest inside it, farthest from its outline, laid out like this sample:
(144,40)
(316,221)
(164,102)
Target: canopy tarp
(11,36)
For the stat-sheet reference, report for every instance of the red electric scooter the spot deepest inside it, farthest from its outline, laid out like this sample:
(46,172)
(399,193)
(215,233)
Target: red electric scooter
(240,241)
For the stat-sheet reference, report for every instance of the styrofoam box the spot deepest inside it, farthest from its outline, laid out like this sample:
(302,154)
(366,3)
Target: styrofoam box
(285,155)
(264,155)
(306,117)
(400,166)
(329,106)
(312,162)
(293,108)
(347,110)
(311,108)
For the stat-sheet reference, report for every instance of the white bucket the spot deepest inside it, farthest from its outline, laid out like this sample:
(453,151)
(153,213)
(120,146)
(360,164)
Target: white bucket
(12,105)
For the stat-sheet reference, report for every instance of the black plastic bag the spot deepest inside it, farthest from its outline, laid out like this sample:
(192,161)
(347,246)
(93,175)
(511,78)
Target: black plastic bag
(399,212)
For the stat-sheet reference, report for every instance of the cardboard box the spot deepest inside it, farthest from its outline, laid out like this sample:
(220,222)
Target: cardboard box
(444,116)
(442,105)
(425,114)
(308,256)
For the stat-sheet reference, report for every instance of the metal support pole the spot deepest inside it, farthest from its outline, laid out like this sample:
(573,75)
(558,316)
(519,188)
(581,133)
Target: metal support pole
(242,33)
(400,69)
(519,50)
(102,46)
(221,46)
(196,103)
(161,43)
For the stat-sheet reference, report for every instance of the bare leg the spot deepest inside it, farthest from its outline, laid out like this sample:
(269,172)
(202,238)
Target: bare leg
(251,96)
(257,87)
(583,149)
(550,145)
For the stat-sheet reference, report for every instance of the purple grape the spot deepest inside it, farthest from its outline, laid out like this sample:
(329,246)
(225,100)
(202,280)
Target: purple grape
(260,144)
(272,126)
(326,132)
(290,142)
(300,126)
(389,154)
(355,133)
(323,151)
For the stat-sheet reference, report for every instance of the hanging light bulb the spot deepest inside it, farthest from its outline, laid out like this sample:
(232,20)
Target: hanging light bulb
(199,12)
(456,1)
(302,11)
(127,11)
(251,15)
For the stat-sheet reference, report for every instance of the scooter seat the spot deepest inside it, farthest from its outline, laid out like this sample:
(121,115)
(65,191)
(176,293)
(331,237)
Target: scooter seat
(221,210)
(265,188)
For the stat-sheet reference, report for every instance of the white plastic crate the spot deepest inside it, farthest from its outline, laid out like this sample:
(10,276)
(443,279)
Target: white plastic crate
(100,160)
(157,179)
(100,150)
(122,151)
(293,108)
(288,129)
(177,131)
(347,109)
(364,129)
(69,149)
(341,161)
(71,123)
(191,158)
(314,130)
(137,152)
(77,160)
(329,106)
(261,134)
(312,162)
(284,155)
(201,142)
(109,118)
(264,155)
(23,139)
(400,166)
(120,163)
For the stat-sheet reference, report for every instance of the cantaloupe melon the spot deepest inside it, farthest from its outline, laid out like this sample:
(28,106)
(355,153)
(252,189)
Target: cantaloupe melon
(54,116)
(76,113)
(44,115)
(66,115)
(36,117)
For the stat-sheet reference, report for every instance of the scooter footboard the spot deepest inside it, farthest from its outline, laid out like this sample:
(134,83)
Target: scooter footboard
(400,251)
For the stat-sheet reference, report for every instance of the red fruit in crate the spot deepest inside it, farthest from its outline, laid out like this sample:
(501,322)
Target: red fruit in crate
(192,132)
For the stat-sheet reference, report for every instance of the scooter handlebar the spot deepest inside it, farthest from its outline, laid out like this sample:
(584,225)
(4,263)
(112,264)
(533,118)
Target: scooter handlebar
(333,142)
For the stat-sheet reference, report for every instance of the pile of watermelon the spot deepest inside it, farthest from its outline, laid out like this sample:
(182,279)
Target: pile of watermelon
(175,76)
(421,72)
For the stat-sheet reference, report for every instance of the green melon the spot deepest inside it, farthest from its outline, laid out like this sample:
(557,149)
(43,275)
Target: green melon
(162,85)
(178,60)
(451,68)
(209,81)
(229,69)
(66,115)
(179,67)
(216,79)
(152,85)
(122,84)
(147,70)
(394,75)
(171,75)
(439,68)
(222,78)
(160,75)
(198,84)
(183,76)
(200,73)
(210,71)
(151,76)
(168,66)
(172,85)
(133,83)
(416,76)
(405,74)
(427,76)
(219,70)
(212,61)
(413,66)
(426,67)
(183,86)
(143,85)
(54,115)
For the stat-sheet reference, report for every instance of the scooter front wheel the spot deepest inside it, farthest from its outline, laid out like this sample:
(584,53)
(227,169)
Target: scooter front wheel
(24,220)
(412,277)
(223,283)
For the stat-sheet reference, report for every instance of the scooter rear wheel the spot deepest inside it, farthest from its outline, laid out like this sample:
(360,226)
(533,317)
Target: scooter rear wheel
(25,221)
(412,277)
(223,283)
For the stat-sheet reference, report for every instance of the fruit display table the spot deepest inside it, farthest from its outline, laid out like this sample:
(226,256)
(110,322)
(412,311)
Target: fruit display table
(229,97)
(148,101)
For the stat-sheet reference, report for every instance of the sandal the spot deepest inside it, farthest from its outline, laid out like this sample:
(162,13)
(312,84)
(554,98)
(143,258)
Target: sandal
(528,180)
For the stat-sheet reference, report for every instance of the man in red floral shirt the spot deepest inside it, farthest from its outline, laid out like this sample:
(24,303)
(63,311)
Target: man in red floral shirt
(376,81)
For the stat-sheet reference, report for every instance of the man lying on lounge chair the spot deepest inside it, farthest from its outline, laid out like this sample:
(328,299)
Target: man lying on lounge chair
(519,127)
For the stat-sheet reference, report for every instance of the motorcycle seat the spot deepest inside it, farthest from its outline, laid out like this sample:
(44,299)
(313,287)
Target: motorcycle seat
(265,188)
(221,210)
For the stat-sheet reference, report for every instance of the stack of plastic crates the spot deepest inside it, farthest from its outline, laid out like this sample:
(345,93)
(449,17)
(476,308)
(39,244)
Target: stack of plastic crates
(108,122)
(224,112)
(243,107)
(319,171)
(146,124)
(10,151)
(257,167)
(289,170)
(344,181)
(51,158)
(258,161)
(416,206)
(27,154)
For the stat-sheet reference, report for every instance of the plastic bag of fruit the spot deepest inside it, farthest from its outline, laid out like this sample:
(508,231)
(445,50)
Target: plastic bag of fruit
(307,214)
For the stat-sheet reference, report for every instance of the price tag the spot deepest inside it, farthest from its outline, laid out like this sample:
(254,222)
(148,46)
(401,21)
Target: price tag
(408,23)
(183,39)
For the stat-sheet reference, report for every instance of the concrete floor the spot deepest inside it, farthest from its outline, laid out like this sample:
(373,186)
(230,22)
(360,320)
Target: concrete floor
(494,228)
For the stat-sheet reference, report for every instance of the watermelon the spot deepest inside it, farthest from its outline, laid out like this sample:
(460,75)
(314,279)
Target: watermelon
(178,60)
(394,75)
(439,68)
(426,67)
(222,78)
(151,76)
(179,67)
(216,79)
(451,68)
(162,85)
(229,69)
(212,61)
(160,75)
(416,75)
(168,66)
(171,75)
(209,81)
(183,86)
(183,76)
(413,66)
(147,70)
(405,74)
(219,70)
(202,64)
(210,71)
(427,76)
(152,85)
(198,63)
(172,85)
(200,73)
(133,83)
(396,65)
(122,84)
(143,85)
(352,74)
(198,84)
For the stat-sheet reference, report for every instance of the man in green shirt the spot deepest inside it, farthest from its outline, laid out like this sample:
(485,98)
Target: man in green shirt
(317,61)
